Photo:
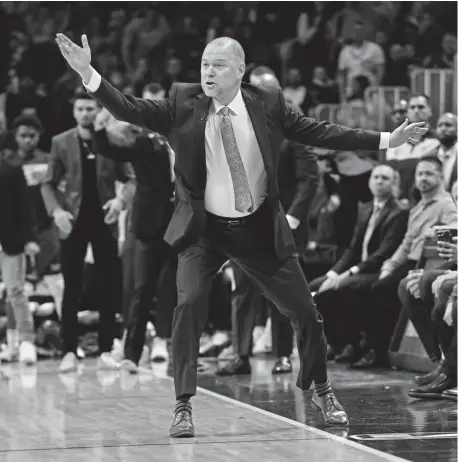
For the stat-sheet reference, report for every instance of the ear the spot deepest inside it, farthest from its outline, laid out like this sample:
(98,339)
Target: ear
(242,69)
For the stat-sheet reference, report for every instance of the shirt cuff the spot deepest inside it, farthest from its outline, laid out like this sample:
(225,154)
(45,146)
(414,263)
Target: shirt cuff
(384,140)
(354,270)
(95,82)
(331,274)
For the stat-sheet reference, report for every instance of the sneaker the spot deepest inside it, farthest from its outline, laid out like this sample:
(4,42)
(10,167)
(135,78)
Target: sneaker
(28,353)
(69,363)
(129,366)
(107,362)
(118,350)
(11,353)
(145,357)
(159,351)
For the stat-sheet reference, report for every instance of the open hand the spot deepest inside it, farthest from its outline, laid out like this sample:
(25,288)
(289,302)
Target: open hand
(407,132)
(79,58)
(112,210)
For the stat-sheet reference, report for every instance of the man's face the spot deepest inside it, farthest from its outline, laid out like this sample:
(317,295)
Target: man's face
(381,182)
(446,129)
(27,138)
(427,176)
(173,67)
(418,110)
(85,111)
(399,113)
(449,44)
(221,72)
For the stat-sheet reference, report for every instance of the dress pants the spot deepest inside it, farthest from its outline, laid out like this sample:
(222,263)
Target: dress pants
(149,259)
(73,252)
(419,311)
(382,309)
(343,309)
(250,246)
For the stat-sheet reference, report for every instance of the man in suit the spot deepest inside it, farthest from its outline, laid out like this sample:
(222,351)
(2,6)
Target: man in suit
(380,228)
(447,152)
(297,184)
(79,194)
(151,211)
(226,138)
(417,293)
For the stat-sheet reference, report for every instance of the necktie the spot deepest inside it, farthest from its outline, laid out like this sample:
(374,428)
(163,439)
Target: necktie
(369,230)
(242,194)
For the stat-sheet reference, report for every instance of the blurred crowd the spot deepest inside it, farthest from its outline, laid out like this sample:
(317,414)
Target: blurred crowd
(373,217)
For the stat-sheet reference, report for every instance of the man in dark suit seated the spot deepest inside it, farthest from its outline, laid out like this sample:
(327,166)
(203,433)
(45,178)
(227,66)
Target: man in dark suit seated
(226,137)
(379,230)
(417,293)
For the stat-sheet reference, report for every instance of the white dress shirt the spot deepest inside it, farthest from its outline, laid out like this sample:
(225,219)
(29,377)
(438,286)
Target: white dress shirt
(219,191)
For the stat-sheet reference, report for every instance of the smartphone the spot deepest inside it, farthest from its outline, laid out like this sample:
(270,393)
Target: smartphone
(444,235)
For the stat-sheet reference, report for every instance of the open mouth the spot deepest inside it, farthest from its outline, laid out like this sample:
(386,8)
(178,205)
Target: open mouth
(210,84)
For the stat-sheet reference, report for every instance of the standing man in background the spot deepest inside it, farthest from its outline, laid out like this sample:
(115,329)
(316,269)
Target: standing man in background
(79,194)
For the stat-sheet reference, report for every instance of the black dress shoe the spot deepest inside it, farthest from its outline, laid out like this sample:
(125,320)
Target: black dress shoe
(282,366)
(434,389)
(182,426)
(421,380)
(368,361)
(450,394)
(238,366)
(349,355)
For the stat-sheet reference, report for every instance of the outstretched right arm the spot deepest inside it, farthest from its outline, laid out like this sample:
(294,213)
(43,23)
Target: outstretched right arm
(156,115)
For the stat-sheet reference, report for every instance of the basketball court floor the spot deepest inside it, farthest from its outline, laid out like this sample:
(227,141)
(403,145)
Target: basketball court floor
(94,416)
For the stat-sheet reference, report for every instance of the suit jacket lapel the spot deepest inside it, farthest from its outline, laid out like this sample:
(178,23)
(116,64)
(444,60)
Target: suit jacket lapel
(257,114)
(201,107)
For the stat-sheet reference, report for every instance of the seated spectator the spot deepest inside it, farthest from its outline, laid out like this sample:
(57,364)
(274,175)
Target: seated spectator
(327,91)
(419,302)
(295,91)
(447,152)
(445,58)
(379,230)
(397,67)
(362,57)
(382,303)
(399,112)
(405,158)
(445,379)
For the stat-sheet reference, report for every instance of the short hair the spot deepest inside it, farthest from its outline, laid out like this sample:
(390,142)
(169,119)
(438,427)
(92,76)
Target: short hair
(433,160)
(27,120)
(80,93)
(153,87)
(386,164)
(420,95)
(261,70)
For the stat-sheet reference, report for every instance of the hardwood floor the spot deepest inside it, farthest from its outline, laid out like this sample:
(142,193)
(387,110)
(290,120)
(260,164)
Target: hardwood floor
(95,416)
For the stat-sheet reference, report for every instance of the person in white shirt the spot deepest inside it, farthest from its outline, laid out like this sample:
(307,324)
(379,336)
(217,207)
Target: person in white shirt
(226,137)
(362,57)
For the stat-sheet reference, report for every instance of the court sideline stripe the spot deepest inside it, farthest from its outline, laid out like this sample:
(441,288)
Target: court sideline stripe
(322,433)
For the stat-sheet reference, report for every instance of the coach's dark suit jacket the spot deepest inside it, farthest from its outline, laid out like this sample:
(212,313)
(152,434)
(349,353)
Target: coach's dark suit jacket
(152,206)
(298,179)
(182,118)
(388,234)
(63,181)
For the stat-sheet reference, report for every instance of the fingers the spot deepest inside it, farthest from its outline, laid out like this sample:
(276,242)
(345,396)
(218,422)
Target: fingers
(65,40)
(405,123)
(84,41)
